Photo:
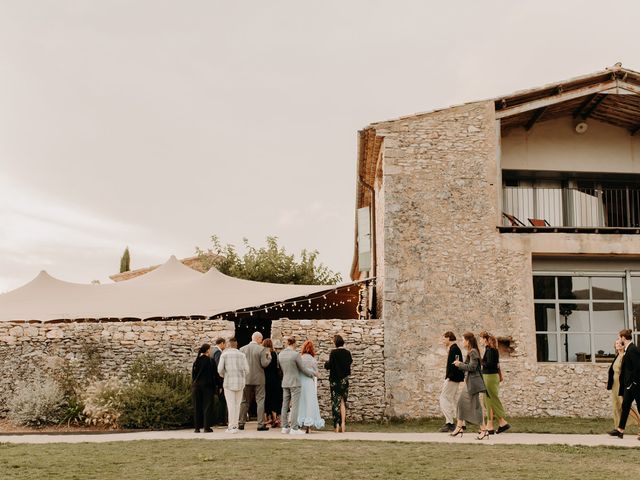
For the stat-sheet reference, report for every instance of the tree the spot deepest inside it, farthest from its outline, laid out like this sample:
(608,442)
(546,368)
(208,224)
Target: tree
(125,261)
(270,263)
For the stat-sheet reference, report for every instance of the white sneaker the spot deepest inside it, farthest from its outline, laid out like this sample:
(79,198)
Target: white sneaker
(235,430)
(298,431)
(229,430)
(285,430)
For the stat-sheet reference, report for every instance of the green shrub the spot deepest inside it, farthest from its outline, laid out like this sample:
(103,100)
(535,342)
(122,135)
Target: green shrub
(146,369)
(72,411)
(154,405)
(156,397)
(38,403)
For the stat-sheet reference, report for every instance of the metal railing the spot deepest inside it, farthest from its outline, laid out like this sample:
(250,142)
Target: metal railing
(572,207)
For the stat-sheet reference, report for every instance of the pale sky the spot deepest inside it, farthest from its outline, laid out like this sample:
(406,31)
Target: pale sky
(155,124)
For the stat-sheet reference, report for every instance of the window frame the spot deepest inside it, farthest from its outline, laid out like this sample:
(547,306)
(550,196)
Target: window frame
(626,301)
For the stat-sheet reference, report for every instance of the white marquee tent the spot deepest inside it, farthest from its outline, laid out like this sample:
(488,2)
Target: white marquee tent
(172,290)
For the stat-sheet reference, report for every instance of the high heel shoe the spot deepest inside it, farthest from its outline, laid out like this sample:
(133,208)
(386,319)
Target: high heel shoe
(457,431)
(483,434)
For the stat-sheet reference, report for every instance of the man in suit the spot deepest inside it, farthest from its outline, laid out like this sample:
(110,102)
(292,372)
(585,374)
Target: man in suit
(291,365)
(452,379)
(219,402)
(629,380)
(258,358)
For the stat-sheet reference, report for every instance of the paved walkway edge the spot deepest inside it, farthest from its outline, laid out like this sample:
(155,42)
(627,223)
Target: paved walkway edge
(220,435)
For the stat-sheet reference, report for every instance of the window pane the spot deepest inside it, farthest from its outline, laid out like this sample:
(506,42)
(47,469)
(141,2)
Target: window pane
(545,317)
(607,288)
(603,344)
(547,347)
(570,288)
(608,317)
(574,317)
(544,288)
(636,317)
(635,289)
(575,348)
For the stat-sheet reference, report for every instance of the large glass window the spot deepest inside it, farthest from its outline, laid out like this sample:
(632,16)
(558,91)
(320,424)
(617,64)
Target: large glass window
(578,317)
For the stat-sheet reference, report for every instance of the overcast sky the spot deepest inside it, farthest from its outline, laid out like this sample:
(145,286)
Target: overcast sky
(155,124)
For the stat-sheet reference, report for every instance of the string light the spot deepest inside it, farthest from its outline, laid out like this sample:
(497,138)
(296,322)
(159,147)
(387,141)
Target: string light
(324,305)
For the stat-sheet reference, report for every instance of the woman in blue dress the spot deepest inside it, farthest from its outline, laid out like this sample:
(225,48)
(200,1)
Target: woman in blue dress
(308,409)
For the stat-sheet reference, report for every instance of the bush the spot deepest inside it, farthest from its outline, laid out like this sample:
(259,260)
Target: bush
(145,369)
(157,397)
(36,404)
(155,405)
(102,403)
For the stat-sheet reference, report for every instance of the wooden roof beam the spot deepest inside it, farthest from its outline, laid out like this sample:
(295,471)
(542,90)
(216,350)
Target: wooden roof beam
(561,97)
(629,87)
(535,117)
(578,111)
(593,106)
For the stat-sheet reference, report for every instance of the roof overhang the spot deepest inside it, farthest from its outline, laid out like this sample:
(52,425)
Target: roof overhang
(611,96)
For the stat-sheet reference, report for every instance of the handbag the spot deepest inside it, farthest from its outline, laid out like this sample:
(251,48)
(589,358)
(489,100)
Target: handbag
(475,383)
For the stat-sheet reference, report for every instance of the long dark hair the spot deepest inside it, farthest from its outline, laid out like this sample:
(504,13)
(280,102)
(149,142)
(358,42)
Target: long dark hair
(203,349)
(471,340)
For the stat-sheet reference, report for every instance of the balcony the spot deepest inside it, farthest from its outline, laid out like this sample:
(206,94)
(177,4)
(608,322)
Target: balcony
(578,210)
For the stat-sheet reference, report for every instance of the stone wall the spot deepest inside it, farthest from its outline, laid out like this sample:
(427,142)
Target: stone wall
(365,340)
(446,267)
(28,350)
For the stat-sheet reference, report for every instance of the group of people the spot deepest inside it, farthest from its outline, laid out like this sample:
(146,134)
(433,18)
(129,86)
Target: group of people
(478,402)
(282,384)
(624,383)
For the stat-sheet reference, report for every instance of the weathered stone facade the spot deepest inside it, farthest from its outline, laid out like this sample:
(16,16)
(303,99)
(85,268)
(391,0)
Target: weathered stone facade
(365,341)
(447,267)
(27,350)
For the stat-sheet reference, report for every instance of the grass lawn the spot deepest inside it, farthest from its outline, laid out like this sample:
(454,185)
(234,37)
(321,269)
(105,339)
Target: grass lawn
(282,459)
(519,424)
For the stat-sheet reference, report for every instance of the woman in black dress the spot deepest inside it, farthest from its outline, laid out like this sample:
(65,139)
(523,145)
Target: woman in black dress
(339,366)
(273,387)
(203,382)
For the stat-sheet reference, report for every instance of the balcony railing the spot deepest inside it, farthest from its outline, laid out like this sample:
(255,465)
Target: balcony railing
(571,207)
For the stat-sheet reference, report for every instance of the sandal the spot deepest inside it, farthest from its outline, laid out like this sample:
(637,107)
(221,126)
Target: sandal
(482,434)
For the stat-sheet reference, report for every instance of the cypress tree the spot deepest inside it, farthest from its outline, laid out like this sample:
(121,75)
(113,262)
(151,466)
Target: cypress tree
(125,261)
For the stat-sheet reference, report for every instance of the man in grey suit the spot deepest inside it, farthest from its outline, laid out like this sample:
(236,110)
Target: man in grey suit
(291,365)
(258,358)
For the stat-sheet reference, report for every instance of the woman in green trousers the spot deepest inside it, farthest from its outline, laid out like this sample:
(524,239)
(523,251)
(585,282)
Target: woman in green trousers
(491,376)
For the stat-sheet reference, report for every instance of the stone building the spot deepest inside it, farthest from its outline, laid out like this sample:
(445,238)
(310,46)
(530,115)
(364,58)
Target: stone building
(519,215)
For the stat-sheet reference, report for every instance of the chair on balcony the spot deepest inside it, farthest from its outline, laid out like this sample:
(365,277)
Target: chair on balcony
(515,221)
(538,222)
